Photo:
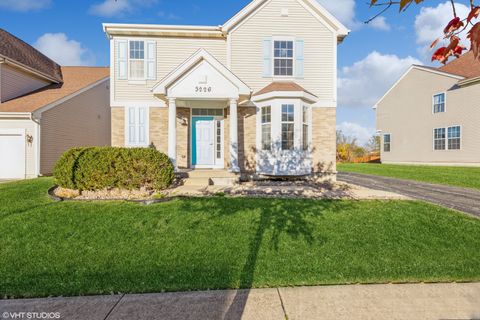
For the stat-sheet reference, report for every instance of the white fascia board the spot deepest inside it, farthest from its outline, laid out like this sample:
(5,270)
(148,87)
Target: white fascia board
(469,81)
(415,67)
(10,115)
(26,68)
(112,29)
(286,94)
(38,113)
(202,54)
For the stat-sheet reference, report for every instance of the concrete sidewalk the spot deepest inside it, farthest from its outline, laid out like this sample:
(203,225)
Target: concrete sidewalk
(402,301)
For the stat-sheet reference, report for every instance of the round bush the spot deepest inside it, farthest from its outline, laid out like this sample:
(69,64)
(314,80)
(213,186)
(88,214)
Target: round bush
(98,168)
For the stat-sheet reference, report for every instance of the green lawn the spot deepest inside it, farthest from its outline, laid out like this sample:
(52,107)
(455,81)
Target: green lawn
(467,177)
(49,248)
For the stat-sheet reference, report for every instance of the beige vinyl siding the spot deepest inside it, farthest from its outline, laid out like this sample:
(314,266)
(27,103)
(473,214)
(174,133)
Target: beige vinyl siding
(30,149)
(15,82)
(171,52)
(81,121)
(247,55)
(406,113)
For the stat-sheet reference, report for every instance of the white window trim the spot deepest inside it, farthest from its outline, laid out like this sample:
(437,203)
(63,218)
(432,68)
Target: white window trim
(264,124)
(446,138)
(145,66)
(308,123)
(445,102)
(383,142)
(147,127)
(280,38)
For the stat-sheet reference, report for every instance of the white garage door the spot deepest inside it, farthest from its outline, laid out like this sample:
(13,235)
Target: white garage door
(12,153)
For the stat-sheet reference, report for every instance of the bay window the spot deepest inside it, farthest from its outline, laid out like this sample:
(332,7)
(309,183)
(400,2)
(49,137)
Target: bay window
(305,128)
(288,126)
(267,128)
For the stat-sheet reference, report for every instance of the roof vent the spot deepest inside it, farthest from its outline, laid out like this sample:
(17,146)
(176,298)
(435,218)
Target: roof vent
(284,12)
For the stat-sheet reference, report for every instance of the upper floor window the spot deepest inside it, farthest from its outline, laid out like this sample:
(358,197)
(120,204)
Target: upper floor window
(283,58)
(387,142)
(439,103)
(454,138)
(137,59)
(267,128)
(288,126)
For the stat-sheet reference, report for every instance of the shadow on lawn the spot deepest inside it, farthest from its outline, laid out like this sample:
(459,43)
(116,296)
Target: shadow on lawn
(277,218)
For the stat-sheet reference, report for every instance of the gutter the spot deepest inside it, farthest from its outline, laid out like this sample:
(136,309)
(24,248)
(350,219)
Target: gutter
(468,81)
(28,69)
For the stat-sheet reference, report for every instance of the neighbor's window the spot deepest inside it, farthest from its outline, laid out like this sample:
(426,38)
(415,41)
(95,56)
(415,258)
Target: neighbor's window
(137,59)
(305,128)
(283,58)
(454,138)
(267,128)
(288,127)
(439,139)
(439,103)
(386,142)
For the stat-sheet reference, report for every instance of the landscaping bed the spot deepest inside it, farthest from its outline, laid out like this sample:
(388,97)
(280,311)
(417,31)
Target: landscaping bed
(85,248)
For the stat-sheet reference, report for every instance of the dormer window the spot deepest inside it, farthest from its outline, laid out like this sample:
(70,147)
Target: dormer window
(283,58)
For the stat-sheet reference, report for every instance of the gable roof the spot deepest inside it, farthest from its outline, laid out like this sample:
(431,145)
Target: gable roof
(317,9)
(465,66)
(75,80)
(285,86)
(197,57)
(20,52)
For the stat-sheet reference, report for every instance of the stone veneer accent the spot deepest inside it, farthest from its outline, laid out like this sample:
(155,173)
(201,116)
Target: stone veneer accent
(324,141)
(118,127)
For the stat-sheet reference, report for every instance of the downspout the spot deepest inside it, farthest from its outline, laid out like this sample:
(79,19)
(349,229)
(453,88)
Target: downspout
(37,144)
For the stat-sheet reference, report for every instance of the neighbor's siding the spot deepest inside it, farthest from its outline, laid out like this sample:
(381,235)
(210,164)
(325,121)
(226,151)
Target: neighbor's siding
(15,82)
(30,149)
(171,52)
(247,55)
(406,113)
(81,121)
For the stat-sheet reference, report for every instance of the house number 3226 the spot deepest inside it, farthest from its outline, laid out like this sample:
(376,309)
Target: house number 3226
(203,89)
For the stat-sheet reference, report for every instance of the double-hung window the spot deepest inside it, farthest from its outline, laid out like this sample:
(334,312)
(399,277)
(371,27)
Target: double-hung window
(283,58)
(137,59)
(305,128)
(454,138)
(267,128)
(439,103)
(439,139)
(288,127)
(387,142)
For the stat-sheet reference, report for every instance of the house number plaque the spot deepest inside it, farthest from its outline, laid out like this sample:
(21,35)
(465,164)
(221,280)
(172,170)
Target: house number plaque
(203,89)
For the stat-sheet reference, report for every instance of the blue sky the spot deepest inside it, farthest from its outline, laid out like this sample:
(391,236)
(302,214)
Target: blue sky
(370,59)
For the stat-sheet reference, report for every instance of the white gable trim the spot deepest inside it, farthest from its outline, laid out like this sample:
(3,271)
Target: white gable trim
(310,98)
(319,11)
(415,67)
(196,58)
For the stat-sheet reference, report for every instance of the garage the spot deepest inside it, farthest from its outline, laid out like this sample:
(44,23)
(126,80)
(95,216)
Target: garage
(12,154)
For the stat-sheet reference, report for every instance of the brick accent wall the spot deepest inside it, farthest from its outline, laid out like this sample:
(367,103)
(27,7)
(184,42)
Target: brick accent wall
(183,137)
(159,128)
(324,140)
(118,127)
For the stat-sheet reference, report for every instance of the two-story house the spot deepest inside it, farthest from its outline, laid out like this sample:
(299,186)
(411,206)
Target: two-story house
(256,96)
(432,115)
(46,109)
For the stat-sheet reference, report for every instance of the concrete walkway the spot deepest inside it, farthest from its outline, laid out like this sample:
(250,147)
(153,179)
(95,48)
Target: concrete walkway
(461,199)
(402,301)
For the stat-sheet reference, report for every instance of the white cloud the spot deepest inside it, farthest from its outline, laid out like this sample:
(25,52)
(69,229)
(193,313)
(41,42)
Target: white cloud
(24,5)
(65,52)
(431,21)
(380,23)
(112,8)
(354,130)
(343,10)
(364,82)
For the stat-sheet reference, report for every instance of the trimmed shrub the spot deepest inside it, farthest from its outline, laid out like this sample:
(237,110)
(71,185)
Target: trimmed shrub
(100,168)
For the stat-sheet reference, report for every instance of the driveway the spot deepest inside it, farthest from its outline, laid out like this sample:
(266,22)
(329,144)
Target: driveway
(461,199)
(384,301)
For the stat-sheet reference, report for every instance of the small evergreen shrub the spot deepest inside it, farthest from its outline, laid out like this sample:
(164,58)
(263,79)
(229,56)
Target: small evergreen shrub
(97,168)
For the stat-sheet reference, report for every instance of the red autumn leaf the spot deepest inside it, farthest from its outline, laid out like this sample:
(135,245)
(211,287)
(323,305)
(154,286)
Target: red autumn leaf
(474,36)
(441,55)
(454,41)
(453,25)
(473,14)
(458,51)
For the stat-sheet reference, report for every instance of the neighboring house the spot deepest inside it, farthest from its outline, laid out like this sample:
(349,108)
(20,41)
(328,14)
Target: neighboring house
(256,96)
(432,115)
(46,109)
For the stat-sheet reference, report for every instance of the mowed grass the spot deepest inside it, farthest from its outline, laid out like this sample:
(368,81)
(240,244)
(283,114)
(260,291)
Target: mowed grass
(466,177)
(71,248)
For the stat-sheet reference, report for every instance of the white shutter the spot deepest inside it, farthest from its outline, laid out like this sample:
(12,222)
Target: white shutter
(142,134)
(132,124)
(151,60)
(299,58)
(122,59)
(267,57)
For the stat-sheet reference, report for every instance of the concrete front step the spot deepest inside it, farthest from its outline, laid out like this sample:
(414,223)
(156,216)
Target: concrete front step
(210,174)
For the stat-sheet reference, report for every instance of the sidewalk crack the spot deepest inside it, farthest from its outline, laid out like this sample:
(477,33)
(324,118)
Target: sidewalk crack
(114,306)
(282,304)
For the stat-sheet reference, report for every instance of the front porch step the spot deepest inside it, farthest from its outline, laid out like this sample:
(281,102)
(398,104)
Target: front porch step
(205,178)
(210,174)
